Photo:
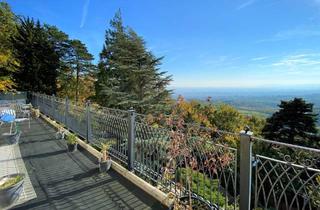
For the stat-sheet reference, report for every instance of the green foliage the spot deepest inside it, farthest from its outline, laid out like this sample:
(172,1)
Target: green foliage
(80,63)
(76,78)
(10,182)
(8,61)
(227,118)
(255,122)
(51,62)
(314,192)
(60,41)
(294,123)
(37,56)
(71,139)
(201,185)
(220,116)
(128,73)
(105,145)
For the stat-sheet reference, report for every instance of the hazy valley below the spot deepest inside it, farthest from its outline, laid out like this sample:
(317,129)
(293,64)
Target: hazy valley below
(258,101)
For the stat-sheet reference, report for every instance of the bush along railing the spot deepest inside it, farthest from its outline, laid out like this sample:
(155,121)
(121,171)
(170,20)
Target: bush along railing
(202,168)
(189,161)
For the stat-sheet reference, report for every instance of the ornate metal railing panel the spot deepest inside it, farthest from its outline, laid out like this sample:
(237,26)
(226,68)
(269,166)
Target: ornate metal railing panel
(76,119)
(59,110)
(285,176)
(212,169)
(150,150)
(212,175)
(44,104)
(108,124)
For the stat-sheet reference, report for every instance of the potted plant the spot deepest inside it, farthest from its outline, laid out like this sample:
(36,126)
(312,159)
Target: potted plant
(60,134)
(11,187)
(105,161)
(71,142)
(36,112)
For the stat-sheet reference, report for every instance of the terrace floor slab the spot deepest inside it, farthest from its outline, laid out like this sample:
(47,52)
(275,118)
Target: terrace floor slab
(64,180)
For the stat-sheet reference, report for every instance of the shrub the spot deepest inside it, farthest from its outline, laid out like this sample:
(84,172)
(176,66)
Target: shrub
(71,139)
(202,185)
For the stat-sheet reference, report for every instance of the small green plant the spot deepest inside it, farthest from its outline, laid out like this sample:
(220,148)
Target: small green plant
(202,185)
(71,139)
(8,182)
(105,146)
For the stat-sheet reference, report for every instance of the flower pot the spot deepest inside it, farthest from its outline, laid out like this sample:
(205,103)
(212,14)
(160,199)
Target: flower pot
(36,113)
(72,147)
(10,194)
(60,134)
(104,166)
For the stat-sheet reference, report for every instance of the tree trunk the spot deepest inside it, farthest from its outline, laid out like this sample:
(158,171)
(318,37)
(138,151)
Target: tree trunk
(77,83)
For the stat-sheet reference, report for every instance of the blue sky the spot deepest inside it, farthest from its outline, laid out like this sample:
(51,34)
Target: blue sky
(208,43)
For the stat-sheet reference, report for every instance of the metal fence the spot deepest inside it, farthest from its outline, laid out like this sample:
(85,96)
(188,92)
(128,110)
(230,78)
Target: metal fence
(13,97)
(253,173)
(285,176)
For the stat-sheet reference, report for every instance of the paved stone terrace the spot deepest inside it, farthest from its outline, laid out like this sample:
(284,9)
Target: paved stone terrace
(65,180)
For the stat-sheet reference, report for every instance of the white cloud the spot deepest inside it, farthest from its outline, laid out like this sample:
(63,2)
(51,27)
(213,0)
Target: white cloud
(299,60)
(300,68)
(246,4)
(259,58)
(296,33)
(299,32)
(84,13)
(304,64)
(218,61)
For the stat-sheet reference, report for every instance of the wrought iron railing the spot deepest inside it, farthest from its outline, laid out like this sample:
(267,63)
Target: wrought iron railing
(285,176)
(250,173)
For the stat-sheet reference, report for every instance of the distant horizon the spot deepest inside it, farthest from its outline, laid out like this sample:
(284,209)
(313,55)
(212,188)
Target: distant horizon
(261,101)
(266,87)
(311,93)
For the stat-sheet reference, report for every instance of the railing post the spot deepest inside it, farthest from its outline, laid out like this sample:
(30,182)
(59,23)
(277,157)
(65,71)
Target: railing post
(88,120)
(66,112)
(131,138)
(37,99)
(245,169)
(53,109)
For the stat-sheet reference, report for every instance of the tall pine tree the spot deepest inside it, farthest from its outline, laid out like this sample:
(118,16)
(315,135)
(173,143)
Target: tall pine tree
(81,62)
(38,59)
(129,74)
(75,70)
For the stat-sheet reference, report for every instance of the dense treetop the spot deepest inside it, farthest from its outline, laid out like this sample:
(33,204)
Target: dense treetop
(129,74)
(294,123)
(8,62)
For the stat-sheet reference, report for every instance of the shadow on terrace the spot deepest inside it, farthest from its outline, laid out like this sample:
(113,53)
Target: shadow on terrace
(63,180)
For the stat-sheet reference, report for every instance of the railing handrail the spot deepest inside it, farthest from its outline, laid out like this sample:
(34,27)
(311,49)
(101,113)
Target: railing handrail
(286,144)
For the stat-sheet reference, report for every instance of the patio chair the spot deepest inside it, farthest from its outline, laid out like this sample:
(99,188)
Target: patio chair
(15,137)
(23,112)
(8,116)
